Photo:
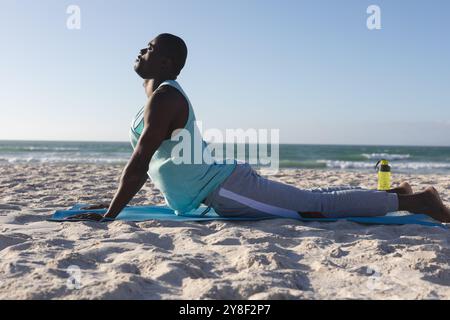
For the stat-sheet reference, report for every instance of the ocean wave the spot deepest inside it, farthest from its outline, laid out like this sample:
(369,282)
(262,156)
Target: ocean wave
(336,164)
(61,159)
(387,156)
(37,149)
(301,164)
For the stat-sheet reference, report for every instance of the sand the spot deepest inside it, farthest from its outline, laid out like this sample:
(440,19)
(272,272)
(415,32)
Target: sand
(272,259)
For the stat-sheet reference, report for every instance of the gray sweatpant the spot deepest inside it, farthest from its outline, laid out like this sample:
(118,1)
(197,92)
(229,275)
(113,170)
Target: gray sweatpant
(246,193)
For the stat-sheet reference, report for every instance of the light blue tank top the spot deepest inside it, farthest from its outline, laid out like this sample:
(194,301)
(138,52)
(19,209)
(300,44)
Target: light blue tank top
(185,185)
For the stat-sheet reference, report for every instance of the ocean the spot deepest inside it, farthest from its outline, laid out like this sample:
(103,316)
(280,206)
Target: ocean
(404,159)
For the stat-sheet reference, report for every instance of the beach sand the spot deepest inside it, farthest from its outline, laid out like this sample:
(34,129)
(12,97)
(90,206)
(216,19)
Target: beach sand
(272,259)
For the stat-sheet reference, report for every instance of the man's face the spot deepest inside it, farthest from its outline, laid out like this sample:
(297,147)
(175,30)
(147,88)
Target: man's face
(149,61)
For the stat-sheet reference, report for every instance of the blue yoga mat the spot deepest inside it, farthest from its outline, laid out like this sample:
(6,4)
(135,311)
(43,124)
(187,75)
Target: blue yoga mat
(161,212)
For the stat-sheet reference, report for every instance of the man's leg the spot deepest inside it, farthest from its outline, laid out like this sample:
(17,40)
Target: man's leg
(403,188)
(427,202)
(246,193)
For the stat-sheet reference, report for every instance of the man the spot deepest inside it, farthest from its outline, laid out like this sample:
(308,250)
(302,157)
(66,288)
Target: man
(184,186)
(232,189)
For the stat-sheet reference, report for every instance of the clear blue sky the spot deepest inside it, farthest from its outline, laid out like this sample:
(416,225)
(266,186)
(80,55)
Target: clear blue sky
(309,68)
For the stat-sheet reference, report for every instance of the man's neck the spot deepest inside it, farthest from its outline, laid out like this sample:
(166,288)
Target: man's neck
(150,85)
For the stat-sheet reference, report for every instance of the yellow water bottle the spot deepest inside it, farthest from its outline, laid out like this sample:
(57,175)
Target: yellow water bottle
(384,175)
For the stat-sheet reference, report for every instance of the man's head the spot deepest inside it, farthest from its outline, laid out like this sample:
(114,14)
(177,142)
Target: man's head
(164,57)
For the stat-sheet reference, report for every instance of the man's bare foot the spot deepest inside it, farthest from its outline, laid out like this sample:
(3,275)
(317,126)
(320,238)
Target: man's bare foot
(433,190)
(403,188)
(433,205)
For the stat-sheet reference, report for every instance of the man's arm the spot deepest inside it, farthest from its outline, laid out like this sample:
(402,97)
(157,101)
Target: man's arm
(159,114)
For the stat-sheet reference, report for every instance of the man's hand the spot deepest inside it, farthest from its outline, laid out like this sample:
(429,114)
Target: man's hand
(87,216)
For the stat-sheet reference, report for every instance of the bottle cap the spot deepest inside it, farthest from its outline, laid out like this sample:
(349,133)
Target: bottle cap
(384,165)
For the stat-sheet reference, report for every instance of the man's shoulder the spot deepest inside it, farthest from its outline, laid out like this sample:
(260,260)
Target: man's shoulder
(170,97)
(170,93)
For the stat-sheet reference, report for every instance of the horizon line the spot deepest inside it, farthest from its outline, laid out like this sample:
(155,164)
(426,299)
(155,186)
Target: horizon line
(281,143)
